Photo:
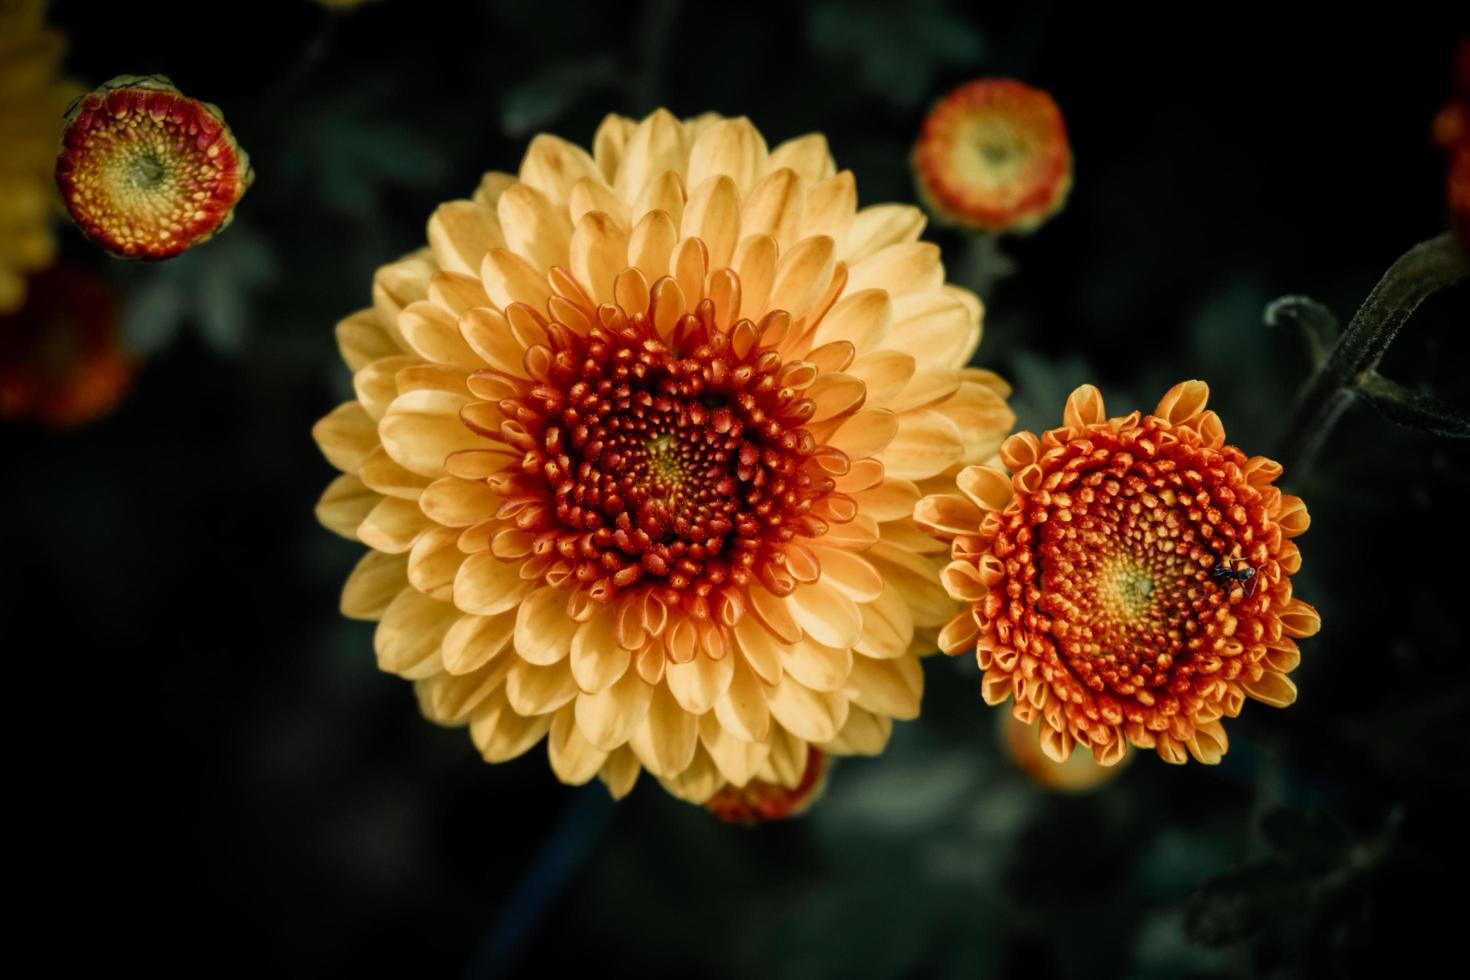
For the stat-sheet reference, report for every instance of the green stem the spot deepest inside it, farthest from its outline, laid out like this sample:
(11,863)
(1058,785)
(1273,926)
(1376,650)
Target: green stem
(1424,269)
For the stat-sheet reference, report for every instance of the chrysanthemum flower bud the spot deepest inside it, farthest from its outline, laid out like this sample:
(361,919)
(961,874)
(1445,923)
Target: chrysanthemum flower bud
(1128,581)
(993,156)
(759,801)
(1452,132)
(146,172)
(60,360)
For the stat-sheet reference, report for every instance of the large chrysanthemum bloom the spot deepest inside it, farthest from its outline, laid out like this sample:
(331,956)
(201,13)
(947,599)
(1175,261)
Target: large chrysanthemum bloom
(636,447)
(61,362)
(759,801)
(147,172)
(32,100)
(993,155)
(1452,132)
(1130,582)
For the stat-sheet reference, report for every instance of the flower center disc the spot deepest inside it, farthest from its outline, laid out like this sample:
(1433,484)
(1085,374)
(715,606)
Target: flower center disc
(678,459)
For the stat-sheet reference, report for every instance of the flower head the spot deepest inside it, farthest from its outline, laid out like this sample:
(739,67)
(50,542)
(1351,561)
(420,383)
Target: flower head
(146,172)
(60,360)
(32,99)
(759,801)
(636,447)
(1130,582)
(993,155)
(1452,132)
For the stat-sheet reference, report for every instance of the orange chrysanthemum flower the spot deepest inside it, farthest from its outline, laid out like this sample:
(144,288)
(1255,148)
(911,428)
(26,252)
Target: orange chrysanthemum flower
(759,801)
(1452,132)
(60,360)
(32,100)
(636,447)
(993,155)
(1078,773)
(146,172)
(1130,582)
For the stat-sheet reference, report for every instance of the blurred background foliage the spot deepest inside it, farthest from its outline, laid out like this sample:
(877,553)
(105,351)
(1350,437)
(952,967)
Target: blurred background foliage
(211,776)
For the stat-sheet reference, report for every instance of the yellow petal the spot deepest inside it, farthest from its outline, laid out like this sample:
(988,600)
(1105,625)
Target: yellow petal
(825,614)
(461,232)
(848,573)
(485,585)
(713,216)
(574,759)
(880,226)
(862,318)
(937,330)
(553,166)
(807,155)
(802,274)
(1273,688)
(908,268)
(508,279)
(888,687)
(926,443)
(655,146)
(433,333)
(666,740)
(865,733)
(807,714)
(374,583)
(819,667)
(732,148)
(361,340)
(393,525)
(608,718)
(742,708)
(345,504)
(408,637)
(536,690)
(1084,407)
(620,772)
(867,433)
(651,245)
(918,580)
(698,683)
(346,435)
(599,251)
(831,207)
(888,625)
(775,206)
(535,227)
(473,641)
(598,661)
(433,561)
(500,733)
(421,428)
(543,629)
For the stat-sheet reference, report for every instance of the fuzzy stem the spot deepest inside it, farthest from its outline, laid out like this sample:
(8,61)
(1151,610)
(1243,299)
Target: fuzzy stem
(1424,269)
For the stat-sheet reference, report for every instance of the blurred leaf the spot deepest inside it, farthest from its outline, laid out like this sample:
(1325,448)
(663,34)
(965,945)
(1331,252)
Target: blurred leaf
(1411,409)
(898,49)
(1042,387)
(547,95)
(211,286)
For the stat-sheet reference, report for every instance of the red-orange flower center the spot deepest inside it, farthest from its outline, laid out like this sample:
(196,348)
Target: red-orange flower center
(146,172)
(676,461)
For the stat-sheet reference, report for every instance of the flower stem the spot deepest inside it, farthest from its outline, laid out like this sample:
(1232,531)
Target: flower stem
(1424,269)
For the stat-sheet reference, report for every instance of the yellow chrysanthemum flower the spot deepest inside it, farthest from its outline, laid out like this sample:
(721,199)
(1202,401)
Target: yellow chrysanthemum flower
(636,447)
(32,101)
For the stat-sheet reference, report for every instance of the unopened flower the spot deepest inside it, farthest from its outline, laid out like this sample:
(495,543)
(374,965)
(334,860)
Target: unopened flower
(146,172)
(993,155)
(759,801)
(1452,132)
(1078,773)
(60,360)
(1129,582)
(636,447)
(32,100)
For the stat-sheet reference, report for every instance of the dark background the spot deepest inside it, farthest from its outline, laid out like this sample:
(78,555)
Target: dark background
(210,777)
